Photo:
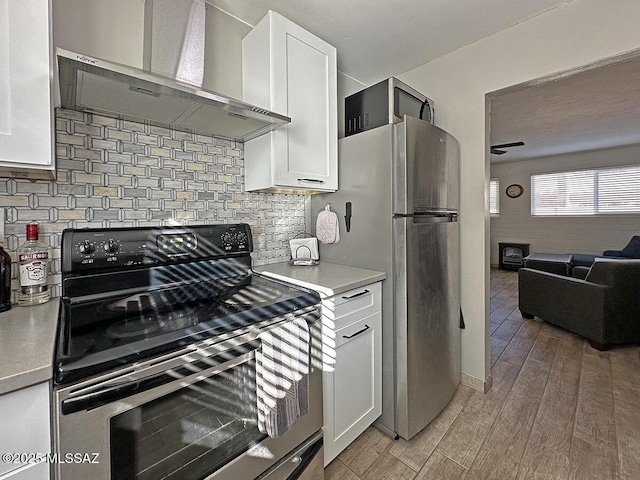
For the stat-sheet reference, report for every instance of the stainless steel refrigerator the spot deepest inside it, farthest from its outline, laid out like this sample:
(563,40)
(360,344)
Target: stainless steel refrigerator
(403,184)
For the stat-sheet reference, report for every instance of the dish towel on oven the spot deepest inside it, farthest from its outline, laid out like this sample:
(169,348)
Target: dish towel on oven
(282,377)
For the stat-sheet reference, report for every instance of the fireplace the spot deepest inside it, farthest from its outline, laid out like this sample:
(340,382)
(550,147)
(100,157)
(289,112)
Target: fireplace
(511,255)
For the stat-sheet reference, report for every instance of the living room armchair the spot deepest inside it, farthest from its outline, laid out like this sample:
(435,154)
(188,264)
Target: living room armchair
(604,307)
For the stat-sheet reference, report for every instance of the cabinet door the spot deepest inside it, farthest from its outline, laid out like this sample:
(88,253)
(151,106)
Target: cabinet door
(305,84)
(26,116)
(24,424)
(353,391)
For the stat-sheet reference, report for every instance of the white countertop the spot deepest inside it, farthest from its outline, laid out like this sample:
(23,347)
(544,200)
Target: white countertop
(326,278)
(27,339)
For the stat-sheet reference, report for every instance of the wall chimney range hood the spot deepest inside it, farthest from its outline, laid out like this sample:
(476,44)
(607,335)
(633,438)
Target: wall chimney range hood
(97,86)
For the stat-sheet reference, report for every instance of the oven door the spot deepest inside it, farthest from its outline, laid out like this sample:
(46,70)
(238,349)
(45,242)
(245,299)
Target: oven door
(190,415)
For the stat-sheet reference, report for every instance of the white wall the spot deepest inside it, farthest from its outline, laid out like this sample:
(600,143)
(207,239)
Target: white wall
(576,33)
(587,234)
(223,53)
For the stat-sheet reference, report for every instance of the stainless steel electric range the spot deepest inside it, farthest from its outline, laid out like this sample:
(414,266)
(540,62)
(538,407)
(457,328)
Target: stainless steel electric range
(156,366)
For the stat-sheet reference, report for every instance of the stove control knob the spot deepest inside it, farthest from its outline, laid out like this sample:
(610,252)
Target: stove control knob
(111,246)
(86,248)
(241,237)
(227,238)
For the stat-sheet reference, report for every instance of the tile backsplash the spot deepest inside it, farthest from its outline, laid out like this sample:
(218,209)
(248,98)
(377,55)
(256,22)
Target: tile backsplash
(114,173)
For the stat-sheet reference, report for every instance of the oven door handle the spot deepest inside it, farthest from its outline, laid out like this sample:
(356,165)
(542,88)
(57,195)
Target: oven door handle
(114,392)
(118,391)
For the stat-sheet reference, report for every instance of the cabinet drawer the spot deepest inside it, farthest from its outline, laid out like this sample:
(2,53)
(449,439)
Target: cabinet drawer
(354,330)
(349,307)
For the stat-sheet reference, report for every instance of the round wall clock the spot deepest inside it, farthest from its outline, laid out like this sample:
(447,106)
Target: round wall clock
(514,191)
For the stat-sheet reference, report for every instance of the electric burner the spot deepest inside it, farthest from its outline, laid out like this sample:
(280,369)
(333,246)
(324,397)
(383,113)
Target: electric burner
(134,328)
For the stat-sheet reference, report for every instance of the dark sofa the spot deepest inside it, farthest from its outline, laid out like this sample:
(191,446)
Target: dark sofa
(604,307)
(581,262)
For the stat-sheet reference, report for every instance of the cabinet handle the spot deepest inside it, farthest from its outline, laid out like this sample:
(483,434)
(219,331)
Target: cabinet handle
(311,180)
(366,327)
(349,297)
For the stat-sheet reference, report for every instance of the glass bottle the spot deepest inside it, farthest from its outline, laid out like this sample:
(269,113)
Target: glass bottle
(33,259)
(5,280)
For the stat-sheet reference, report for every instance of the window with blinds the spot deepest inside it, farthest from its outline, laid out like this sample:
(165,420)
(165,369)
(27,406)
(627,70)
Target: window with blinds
(494,196)
(586,192)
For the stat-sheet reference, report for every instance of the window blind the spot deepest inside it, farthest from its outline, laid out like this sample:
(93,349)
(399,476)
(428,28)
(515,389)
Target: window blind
(586,192)
(619,190)
(494,196)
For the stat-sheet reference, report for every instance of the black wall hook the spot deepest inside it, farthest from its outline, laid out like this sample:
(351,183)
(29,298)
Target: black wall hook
(347,217)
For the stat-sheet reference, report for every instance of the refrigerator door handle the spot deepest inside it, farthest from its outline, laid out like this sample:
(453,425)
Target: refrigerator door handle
(429,217)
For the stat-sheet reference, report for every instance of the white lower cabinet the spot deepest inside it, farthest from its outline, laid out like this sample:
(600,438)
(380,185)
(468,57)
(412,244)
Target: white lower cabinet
(352,378)
(24,428)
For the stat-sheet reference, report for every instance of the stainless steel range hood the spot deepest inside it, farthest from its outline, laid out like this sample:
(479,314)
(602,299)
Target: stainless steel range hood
(97,86)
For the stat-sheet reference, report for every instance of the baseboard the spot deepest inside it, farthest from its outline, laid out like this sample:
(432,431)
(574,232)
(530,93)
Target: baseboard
(476,383)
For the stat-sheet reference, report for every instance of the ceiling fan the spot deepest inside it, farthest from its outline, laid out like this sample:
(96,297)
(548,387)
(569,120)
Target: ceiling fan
(496,149)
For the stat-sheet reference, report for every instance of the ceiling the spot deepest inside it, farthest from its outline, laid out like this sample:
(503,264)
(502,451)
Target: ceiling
(377,39)
(594,109)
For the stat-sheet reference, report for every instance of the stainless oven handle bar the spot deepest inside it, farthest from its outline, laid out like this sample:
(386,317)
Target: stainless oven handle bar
(119,391)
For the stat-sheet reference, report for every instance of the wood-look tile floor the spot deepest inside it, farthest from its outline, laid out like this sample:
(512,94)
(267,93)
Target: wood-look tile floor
(558,410)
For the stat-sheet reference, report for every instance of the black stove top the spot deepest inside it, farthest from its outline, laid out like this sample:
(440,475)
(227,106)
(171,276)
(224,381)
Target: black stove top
(155,294)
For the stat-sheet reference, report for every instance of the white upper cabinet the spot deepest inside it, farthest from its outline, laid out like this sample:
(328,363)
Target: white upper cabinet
(292,72)
(26,114)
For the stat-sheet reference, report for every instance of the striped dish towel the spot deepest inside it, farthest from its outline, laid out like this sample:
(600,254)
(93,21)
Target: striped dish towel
(282,377)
